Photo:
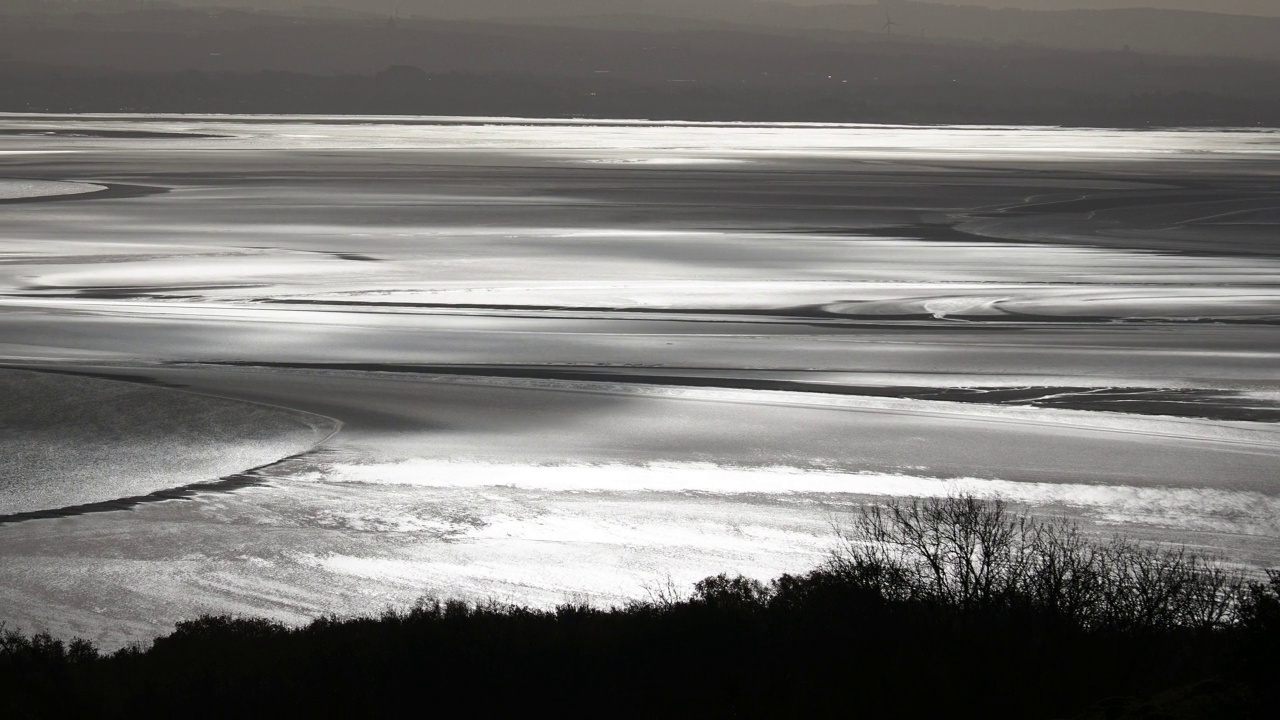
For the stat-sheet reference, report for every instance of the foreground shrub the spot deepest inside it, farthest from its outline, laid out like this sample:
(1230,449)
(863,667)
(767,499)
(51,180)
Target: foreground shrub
(931,608)
(967,555)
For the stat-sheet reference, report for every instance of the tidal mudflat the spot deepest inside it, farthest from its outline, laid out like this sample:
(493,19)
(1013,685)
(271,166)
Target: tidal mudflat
(289,366)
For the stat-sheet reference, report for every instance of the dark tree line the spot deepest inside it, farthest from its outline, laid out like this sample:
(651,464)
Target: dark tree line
(947,608)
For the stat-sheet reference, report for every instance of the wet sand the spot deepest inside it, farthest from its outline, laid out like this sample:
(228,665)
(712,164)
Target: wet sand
(15,190)
(572,359)
(93,443)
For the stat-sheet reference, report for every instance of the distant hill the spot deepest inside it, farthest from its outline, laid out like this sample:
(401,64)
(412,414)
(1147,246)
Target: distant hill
(232,61)
(1142,30)
(1166,31)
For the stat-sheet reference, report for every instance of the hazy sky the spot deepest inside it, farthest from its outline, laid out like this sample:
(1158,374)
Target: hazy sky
(1251,7)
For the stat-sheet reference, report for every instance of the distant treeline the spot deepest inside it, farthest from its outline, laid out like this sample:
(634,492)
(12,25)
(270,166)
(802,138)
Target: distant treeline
(411,91)
(937,608)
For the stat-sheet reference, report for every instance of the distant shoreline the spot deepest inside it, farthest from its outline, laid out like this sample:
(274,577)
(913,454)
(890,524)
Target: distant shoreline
(454,120)
(1150,92)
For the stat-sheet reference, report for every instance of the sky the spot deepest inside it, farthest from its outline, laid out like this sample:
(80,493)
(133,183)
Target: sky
(1250,7)
(1246,7)
(1243,7)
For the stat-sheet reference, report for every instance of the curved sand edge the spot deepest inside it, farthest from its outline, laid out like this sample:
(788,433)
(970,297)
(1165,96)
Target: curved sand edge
(69,441)
(15,189)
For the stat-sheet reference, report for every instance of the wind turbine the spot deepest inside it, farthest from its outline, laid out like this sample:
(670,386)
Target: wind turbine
(889,24)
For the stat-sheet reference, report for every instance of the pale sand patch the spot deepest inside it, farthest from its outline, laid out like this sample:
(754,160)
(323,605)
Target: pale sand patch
(20,189)
(67,441)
